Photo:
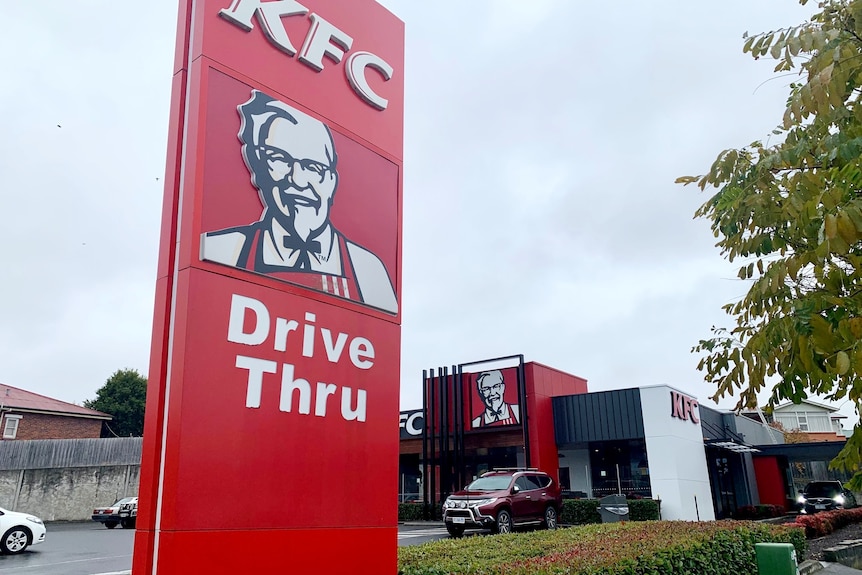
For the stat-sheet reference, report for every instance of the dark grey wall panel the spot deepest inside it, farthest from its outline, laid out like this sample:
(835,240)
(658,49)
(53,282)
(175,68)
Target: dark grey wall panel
(712,422)
(599,416)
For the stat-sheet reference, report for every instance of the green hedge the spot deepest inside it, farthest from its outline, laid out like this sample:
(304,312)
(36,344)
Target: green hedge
(629,548)
(763,511)
(574,511)
(586,511)
(410,511)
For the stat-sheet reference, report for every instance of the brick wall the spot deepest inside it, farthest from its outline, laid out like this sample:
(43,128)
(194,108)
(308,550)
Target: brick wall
(41,426)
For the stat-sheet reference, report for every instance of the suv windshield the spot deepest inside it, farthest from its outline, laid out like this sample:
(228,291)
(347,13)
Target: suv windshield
(822,489)
(493,483)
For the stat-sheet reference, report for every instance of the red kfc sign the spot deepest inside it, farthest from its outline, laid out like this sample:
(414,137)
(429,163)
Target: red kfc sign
(683,407)
(276,350)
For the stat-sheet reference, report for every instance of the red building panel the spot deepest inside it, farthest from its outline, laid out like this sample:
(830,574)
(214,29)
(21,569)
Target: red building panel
(542,384)
(770,481)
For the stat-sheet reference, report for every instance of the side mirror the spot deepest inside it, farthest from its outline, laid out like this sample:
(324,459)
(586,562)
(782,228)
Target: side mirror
(515,489)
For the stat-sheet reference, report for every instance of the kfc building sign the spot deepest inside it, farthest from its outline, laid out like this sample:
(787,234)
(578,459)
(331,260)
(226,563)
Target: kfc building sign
(683,407)
(276,344)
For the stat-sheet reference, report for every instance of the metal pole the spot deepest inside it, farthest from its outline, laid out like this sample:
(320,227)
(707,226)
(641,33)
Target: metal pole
(619,488)
(459,416)
(445,455)
(433,457)
(425,493)
(522,397)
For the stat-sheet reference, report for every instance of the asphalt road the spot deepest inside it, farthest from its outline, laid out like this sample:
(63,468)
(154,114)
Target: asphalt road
(74,549)
(89,548)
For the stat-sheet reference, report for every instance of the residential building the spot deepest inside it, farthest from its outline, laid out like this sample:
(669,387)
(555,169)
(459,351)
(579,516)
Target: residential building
(28,415)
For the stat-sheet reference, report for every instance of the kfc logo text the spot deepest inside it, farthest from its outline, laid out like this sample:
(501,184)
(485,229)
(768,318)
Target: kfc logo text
(322,39)
(683,407)
(412,422)
(360,352)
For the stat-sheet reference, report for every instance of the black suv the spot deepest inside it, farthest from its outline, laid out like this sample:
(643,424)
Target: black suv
(825,495)
(502,498)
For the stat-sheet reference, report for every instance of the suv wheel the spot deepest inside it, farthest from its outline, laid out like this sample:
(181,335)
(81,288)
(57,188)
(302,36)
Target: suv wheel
(111,524)
(455,530)
(550,517)
(504,521)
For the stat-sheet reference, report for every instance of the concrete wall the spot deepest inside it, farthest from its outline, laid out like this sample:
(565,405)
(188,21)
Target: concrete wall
(66,494)
(677,460)
(64,480)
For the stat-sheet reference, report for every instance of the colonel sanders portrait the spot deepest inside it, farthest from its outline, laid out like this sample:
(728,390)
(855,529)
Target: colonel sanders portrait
(492,387)
(293,163)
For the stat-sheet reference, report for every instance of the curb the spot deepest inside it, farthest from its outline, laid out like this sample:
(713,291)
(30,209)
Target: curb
(810,566)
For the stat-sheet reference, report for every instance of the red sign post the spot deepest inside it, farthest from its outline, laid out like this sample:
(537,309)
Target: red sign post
(270,436)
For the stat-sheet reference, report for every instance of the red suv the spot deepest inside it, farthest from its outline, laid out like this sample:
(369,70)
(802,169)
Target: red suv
(502,498)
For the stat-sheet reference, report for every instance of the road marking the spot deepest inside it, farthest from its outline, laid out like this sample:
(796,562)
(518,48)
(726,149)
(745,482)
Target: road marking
(43,565)
(423,533)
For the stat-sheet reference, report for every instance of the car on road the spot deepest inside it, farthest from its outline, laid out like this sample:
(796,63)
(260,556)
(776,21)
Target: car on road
(129,514)
(111,515)
(825,496)
(20,530)
(503,498)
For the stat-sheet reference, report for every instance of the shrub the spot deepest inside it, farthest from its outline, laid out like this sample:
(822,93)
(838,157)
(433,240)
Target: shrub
(654,547)
(826,522)
(586,511)
(580,512)
(758,512)
(644,509)
(410,511)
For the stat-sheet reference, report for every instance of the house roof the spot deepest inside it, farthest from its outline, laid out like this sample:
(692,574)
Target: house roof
(828,408)
(19,399)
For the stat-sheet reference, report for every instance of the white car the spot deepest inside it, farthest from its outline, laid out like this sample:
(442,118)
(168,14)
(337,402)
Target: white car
(118,514)
(19,530)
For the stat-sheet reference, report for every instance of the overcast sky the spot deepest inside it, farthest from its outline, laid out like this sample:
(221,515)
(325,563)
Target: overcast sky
(542,140)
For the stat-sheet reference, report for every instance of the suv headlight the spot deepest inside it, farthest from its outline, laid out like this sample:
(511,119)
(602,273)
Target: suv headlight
(32,519)
(839,499)
(481,502)
(448,503)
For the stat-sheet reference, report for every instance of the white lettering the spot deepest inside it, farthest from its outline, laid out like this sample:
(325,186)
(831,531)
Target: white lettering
(269,14)
(308,335)
(333,351)
(291,385)
(355,68)
(347,413)
(411,423)
(324,390)
(282,329)
(288,386)
(361,348)
(256,368)
(323,39)
(238,305)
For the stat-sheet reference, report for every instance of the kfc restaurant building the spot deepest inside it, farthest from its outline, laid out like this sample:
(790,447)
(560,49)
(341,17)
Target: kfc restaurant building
(651,442)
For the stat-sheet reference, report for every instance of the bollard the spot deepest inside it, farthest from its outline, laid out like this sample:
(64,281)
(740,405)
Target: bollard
(776,559)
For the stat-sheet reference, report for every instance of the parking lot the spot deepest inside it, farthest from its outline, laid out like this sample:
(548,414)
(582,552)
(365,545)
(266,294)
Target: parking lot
(87,548)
